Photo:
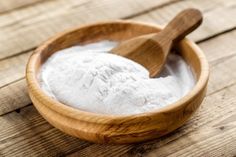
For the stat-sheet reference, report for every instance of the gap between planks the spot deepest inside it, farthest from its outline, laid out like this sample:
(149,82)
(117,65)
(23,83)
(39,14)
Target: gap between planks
(13,5)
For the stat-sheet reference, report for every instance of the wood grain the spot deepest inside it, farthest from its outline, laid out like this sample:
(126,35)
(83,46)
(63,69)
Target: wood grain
(57,20)
(26,133)
(25,29)
(34,21)
(13,97)
(218,138)
(222,76)
(46,26)
(207,141)
(13,69)
(12,5)
(211,9)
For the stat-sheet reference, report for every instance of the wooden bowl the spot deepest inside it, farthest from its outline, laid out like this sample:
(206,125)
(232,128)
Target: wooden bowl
(101,128)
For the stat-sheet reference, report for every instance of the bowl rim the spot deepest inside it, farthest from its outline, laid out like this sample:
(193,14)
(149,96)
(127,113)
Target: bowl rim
(92,117)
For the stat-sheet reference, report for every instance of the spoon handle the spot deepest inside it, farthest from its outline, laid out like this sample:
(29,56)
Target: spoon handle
(182,24)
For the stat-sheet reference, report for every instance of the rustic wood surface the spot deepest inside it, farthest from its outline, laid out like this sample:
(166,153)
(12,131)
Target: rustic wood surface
(25,24)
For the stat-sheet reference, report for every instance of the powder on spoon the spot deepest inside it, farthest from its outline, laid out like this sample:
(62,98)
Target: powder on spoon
(90,79)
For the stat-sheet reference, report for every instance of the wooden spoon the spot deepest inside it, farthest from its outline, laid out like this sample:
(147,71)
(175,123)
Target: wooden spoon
(152,50)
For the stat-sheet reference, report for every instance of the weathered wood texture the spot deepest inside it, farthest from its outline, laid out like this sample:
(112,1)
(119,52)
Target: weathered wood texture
(11,5)
(25,24)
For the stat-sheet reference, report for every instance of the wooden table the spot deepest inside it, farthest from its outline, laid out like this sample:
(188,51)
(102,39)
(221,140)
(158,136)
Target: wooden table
(24,24)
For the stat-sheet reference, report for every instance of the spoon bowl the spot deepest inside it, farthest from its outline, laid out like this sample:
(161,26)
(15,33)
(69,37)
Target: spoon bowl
(151,50)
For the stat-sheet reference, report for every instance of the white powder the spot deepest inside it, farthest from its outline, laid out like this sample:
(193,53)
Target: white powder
(90,79)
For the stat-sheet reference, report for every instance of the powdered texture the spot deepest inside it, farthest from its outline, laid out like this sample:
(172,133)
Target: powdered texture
(90,79)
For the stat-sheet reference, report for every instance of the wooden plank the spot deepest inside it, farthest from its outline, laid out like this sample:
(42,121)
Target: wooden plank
(25,29)
(11,5)
(203,125)
(221,75)
(27,134)
(212,140)
(220,48)
(37,26)
(49,7)
(19,130)
(13,43)
(164,14)
(13,97)
(13,69)
(212,24)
